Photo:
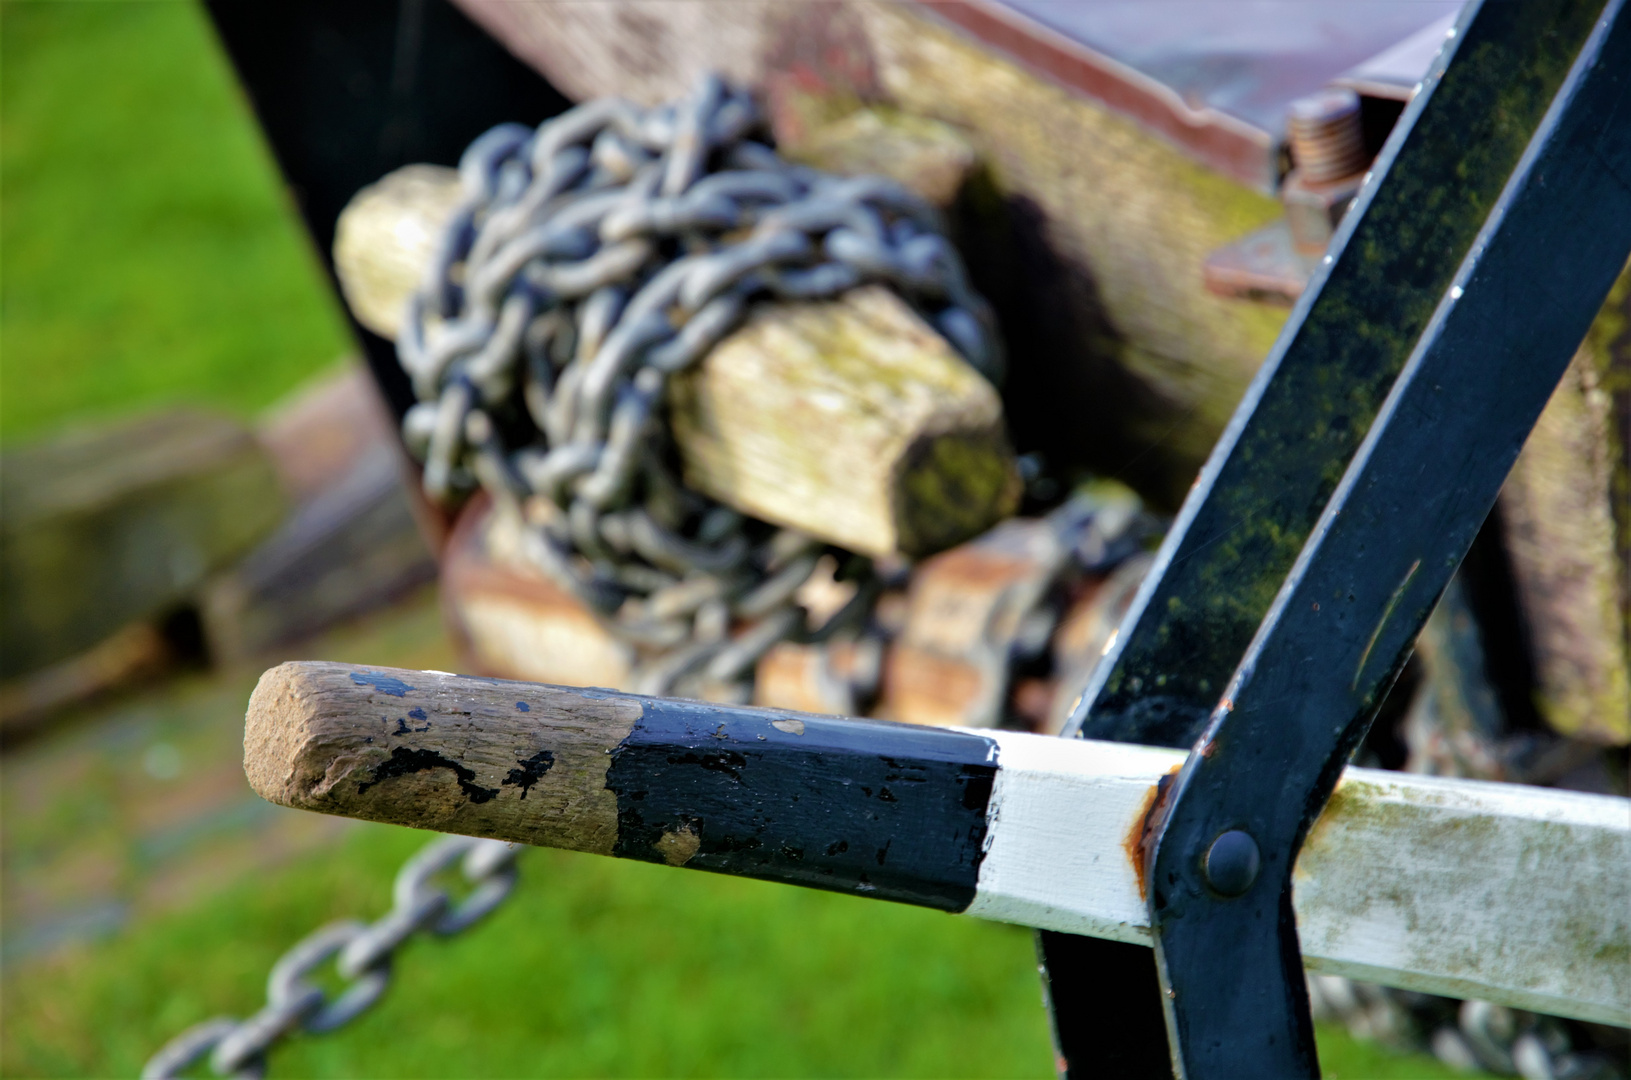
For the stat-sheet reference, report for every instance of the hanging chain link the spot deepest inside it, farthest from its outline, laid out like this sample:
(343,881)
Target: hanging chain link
(1466,1035)
(592,260)
(362,953)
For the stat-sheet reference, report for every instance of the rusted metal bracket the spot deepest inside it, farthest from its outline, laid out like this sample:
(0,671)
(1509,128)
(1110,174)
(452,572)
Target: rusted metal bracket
(1475,260)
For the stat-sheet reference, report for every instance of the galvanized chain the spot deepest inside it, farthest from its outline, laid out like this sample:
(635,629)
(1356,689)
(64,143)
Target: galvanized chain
(1454,727)
(593,259)
(362,953)
(1466,1035)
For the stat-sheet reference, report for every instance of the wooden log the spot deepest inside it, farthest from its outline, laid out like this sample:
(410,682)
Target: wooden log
(511,621)
(385,238)
(928,156)
(1462,888)
(137,651)
(1089,234)
(106,526)
(966,611)
(850,420)
(1567,513)
(318,433)
(353,542)
(352,548)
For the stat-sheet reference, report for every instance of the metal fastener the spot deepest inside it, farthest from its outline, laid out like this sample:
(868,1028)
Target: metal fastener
(1232,863)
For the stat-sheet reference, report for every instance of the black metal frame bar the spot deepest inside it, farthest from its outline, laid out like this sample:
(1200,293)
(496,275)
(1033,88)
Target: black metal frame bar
(1393,533)
(1542,239)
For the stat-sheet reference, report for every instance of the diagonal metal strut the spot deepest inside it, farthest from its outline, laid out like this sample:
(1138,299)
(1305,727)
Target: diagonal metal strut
(1480,368)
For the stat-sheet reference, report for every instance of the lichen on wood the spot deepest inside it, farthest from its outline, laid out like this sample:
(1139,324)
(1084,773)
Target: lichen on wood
(850,418)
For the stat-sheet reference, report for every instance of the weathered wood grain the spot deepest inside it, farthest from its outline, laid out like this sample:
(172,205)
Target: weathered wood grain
(385,238)
(1566,509)
(352,548)
(438,752)
(967,608)
(107,525)
(851,420)
(511,621)
(1493,891)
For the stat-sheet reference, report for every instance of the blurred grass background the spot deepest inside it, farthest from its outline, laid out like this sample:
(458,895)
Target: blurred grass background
(148,254)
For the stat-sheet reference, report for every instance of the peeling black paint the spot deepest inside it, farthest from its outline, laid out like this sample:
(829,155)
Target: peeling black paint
(404,761)
(385,684)
(890,810)
(529,772)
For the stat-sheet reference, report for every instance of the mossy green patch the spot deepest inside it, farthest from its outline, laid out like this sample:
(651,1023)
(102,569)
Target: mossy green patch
(148,252)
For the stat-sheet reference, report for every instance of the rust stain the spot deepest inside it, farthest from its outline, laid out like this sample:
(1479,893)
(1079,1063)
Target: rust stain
(1139,838)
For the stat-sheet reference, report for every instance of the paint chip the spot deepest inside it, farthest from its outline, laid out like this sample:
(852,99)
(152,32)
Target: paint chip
(677,846)
(385,684)
(792,727)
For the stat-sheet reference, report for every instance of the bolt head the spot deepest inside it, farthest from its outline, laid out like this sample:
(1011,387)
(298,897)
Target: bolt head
(1232,863)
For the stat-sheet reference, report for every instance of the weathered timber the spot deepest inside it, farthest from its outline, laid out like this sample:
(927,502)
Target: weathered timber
(1504,893)
(106,526)
(386,236)
(319,431)
(353,542)
(352,548)
(851,420)
(136,651)
(968,612)
(512,621)
(1567,513)
(1090,230)
(1086,632)
(928,156)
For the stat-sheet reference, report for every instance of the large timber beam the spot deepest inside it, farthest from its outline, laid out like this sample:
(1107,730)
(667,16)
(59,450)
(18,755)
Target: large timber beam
(1500,892)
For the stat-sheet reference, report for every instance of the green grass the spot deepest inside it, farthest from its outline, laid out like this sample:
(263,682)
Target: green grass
(595,968)
(148,252)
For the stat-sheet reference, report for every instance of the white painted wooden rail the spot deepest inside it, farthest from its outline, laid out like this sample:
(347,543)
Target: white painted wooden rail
(1500,892)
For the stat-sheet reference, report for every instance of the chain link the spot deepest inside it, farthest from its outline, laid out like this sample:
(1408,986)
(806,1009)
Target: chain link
(1466,1035)
(593,259)
(362,954)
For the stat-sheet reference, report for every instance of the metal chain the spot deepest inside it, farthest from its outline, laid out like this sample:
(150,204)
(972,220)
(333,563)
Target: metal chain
(362,953)
(1466,1035)
(593,259)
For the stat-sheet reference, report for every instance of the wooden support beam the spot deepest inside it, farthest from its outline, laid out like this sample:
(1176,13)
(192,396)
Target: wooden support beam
(1508,894)
(109,525)
(851,420)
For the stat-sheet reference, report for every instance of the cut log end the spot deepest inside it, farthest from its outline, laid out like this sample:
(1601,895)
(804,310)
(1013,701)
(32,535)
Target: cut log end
(387,236)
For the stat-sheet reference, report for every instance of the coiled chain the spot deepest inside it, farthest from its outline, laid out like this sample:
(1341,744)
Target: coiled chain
(1466,1035)
(362,953)
(593,259)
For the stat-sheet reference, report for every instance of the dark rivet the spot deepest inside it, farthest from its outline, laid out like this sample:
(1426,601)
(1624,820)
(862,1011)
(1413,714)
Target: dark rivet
(1232,863)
